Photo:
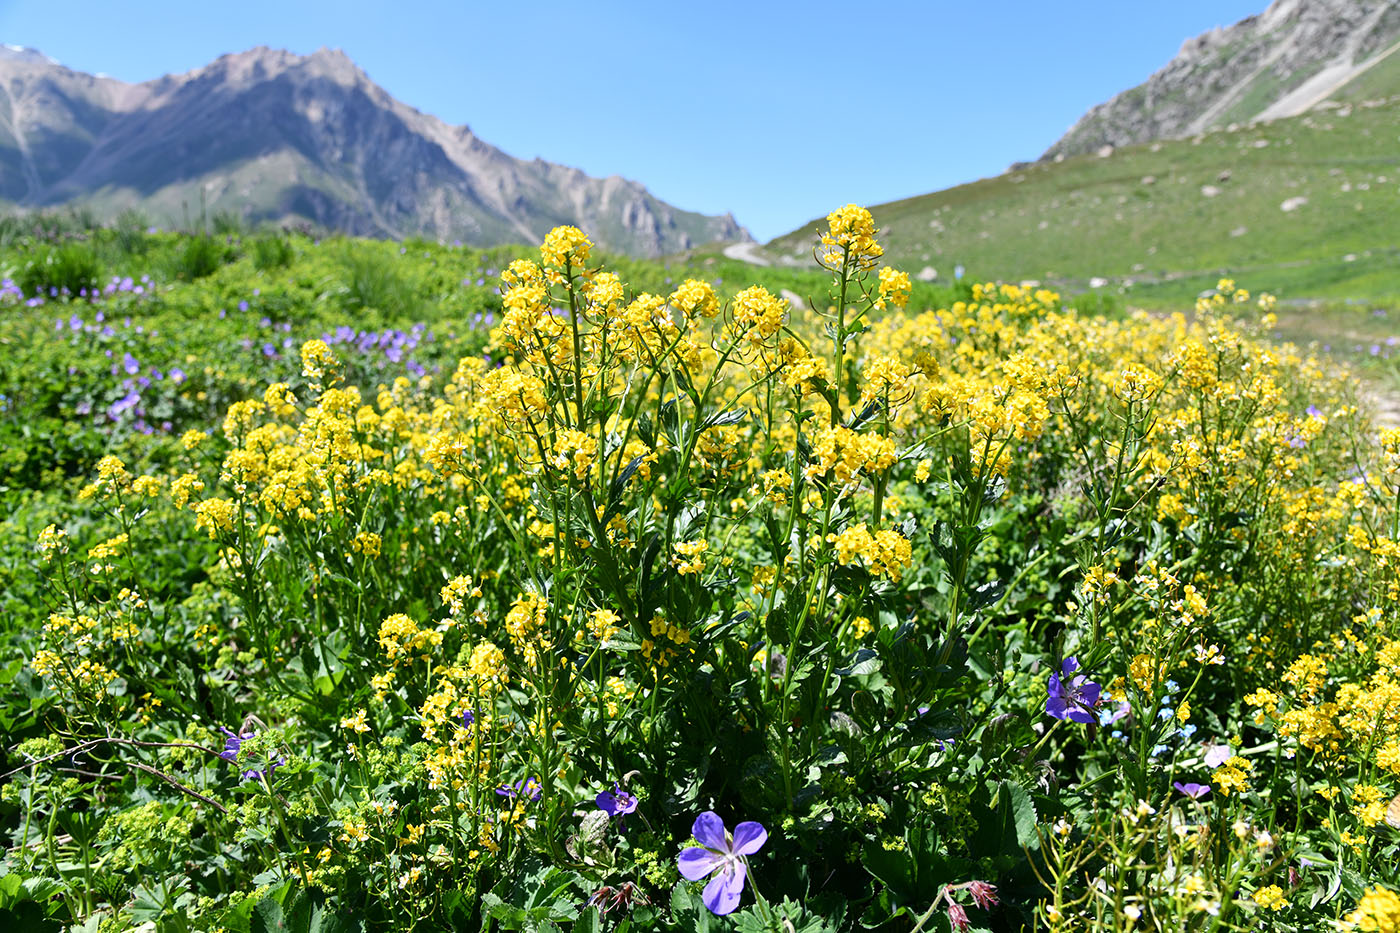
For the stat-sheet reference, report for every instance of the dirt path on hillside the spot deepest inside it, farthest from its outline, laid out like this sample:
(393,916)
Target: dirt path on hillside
(746,252)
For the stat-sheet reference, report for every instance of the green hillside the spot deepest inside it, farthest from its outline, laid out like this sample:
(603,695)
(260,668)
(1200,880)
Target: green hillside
(1165,219)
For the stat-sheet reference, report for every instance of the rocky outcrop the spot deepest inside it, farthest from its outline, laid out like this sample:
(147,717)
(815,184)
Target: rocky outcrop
(1273,65)
(275,136)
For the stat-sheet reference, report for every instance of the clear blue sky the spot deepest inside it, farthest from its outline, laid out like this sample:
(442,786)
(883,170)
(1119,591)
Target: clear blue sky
(775,111)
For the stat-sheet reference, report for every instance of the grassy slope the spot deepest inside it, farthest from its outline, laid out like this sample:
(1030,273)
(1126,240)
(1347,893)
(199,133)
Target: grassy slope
(1100,217)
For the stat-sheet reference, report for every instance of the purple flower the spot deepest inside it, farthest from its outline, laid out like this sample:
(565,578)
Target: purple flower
(616,802)
(234,743)
(528,787)
(722,857)
(233,746)
(123,404)
(1109,715)
(130,364)
(1194,791)
(1072,698)
(1216,754)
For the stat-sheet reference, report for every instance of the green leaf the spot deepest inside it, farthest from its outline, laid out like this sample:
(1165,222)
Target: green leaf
(267,917)
(323,921)
(893,868)
(864,661)
(1023,812)
(985,595)
(725,418)
(588,922)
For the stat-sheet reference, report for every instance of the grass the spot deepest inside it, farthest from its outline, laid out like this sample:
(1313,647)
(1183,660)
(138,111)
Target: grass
(1143,219)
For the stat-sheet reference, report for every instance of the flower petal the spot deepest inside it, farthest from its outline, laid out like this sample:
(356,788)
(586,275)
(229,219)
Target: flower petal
(709,831)
(749,838)
(1069,666)
(721,895)
(695,862)
(1056,707)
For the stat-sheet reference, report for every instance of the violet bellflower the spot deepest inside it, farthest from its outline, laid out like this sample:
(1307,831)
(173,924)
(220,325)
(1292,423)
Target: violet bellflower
(722,857)
(1072,697)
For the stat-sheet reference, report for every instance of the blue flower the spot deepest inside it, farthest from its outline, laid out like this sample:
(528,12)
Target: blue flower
(233,747)
(616,802)
(1072,698)
(528,787)
(724,859)
(1194,791)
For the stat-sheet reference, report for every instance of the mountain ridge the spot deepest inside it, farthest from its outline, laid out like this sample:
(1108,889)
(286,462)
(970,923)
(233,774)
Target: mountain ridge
(281,137)
(1272,65)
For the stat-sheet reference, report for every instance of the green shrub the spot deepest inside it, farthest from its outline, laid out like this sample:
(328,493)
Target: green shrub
(200,256)
(69,268)
(272,252)
(371,280)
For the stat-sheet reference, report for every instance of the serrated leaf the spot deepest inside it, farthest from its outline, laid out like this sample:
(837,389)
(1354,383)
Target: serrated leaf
(1023,813)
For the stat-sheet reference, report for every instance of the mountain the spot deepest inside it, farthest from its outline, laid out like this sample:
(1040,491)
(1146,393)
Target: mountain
(274,136)
(1304,205)
(1276,64)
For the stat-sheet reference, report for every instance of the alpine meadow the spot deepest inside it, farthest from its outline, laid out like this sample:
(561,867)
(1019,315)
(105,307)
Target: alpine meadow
(424,539)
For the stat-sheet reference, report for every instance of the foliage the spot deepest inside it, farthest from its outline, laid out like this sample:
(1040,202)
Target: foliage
(979,612)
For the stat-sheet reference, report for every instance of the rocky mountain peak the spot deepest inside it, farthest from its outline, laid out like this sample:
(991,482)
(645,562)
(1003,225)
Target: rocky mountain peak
(276,136)
(1276,64)
(19,53)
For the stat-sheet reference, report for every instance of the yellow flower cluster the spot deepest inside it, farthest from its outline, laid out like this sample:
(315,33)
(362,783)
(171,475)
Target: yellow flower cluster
(851,229)
(565,246)
(695,297)
(400,637)
(527,624)
(886,553)
(690,557)
(845,453)
(894,288)
(758,314)
(1378,912)
(1233,775)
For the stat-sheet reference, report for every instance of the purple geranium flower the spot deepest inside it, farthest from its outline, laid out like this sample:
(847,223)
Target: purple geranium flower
(233,746)
(721,857)
(234,743)
(1072,698)
(1216,755)
(123,404)
(527,787)
(1194,791)
(616,802)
